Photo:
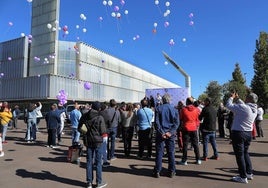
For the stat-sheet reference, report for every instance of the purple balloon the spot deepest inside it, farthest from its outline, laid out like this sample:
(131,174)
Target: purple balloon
(87,85)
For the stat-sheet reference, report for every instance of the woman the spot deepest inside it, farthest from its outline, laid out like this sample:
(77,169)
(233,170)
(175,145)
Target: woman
(5,116)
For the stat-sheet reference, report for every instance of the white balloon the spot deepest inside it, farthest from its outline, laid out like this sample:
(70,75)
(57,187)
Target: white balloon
(110,3)
(168,11)
(104,3)
(54,29)
(121,41)
(126,11)
(166,63)
(167,4)
(155,24)
(183,39)
(84,30)
(66,32)
(156,2)
(113,14)
(56,21)
(29,1)
(49,26)
(77,26)
(22,34)
(82,16)
(118,15)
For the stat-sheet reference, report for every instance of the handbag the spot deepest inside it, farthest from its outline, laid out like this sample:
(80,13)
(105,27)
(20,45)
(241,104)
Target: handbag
(83,129)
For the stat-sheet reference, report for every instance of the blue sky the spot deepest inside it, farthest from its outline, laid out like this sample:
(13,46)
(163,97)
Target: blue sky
(205,37)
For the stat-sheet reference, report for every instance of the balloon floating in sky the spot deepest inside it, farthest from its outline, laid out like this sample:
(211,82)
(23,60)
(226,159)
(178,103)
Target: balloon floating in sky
(121,41)
(104,3)
(110,3)
(126,12)
(156,2)
(22,34)
(10,23)
(87,85)
(171,42)
(166,63)
(166,24)
(116,8)
(191,15)
(183,39)
(49,26)
(29,1)
(191,23)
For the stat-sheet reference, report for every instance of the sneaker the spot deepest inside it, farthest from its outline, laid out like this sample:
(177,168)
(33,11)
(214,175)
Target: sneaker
(54,147)
(156,174)
(182,163)
(100,185)
(214,157)
(171,174)
(198,162)
(89,185)
(204,158)
(4,142)
(105,164)
(2,154)
(239,179)
(113,158)
(250,176)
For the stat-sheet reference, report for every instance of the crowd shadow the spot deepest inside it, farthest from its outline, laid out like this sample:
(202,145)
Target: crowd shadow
(46,175)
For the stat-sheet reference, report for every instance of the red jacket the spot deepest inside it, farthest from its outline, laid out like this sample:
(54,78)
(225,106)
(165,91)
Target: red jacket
(189,117)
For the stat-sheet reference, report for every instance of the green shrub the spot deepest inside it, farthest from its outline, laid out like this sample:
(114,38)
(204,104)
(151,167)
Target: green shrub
(265,116)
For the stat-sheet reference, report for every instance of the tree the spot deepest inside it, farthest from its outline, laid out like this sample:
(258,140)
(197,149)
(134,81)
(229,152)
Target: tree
(213,91)
(259,83)
(237,84)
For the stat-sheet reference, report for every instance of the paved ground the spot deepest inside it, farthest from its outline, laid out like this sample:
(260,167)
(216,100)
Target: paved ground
(33,165)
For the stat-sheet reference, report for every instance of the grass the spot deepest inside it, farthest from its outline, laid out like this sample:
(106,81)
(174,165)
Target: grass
(265,116)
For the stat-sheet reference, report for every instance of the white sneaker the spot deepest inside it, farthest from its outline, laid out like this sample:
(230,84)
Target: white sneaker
(239,179)
(250,176)
(2,154)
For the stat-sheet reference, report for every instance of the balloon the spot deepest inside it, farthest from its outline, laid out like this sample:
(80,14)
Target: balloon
(82,16)
(29,1)
(49,26)
(122,2)
(155,24)
(191,23)
(10,23)
(110,3)
(9,58)
(30,36)
(166,24)
(126,12)
(104,3)
(22,34)
(156,2)
(77,26)
(166,63)
(168,12)
(66,32)
(62,97)
(54,29)
(121,41)
(84,30)
(87,85)
(167,4)
(113,14)
(183,39)
(116,8)
(65,28)
(36,59)
(191,15)
(100,18)
(118,15)
(171,42)
(154,30)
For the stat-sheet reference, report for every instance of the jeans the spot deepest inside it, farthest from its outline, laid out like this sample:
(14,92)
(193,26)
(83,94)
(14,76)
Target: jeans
(241,142)
(104,149)
(75,135)
(4,132)
(31,129)
(209,137)
(190,136)
(160,145)
(145,140)
(94,154)
(111,142)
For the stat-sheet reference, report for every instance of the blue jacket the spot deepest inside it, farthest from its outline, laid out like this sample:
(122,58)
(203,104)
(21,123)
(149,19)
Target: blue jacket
(145,116)
(166,119)
(75,116)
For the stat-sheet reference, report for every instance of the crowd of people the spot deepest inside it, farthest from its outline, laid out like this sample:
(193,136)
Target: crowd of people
(152,121)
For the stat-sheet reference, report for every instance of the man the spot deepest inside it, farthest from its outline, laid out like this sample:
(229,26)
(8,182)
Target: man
(244,116)
(167,122)
(16,114)
(93,141)
(221,113)
(189,117)
(208,128)
(113,120)
(144,117)
(75,116)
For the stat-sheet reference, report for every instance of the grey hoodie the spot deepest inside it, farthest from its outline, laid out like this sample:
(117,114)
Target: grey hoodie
(244,114)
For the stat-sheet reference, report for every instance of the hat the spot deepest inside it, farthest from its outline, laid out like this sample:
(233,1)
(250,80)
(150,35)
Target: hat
(96,105)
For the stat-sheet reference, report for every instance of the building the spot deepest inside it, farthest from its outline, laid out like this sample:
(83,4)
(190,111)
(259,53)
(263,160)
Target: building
(38,67)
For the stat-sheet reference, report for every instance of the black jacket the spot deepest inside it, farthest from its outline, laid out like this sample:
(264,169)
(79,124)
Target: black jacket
(96,128)
(209,117)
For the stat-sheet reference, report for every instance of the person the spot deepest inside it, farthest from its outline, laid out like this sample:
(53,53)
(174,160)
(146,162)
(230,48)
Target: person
(167,122)
(189,117)
(179,130)
(221,113)
(5,118)
(53,121)
(93,140)
(31,114)
(85,108)
(229,124)
(39,116)
(244,117)
(144,115)
(113,120)
(152,103)
(16,114)
(208,129)
(158,99)
(2,154)
(75,116)
(128,123)
(62,123)
(258,122)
